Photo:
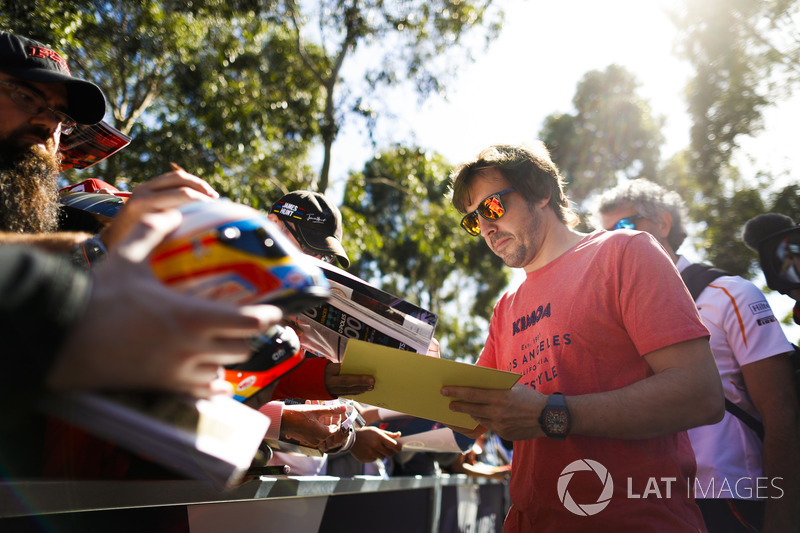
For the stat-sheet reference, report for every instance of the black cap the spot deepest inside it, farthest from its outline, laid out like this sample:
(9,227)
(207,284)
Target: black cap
(318,221)
(758,228)
(32,61)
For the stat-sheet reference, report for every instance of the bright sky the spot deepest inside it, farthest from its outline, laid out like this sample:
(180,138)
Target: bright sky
(532,70)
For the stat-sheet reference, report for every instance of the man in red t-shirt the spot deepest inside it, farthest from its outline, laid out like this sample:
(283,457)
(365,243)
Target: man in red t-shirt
(614,359)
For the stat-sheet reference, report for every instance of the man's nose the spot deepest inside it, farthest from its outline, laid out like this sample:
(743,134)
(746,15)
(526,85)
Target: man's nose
(46,118)
(488,227)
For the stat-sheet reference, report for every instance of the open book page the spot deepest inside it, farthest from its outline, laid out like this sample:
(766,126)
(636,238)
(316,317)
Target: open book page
(214,439)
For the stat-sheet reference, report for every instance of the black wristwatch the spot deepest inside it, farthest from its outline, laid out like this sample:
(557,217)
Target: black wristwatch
(555,419)
(88,253)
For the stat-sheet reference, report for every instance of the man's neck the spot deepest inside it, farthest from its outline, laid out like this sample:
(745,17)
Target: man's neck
(557,241)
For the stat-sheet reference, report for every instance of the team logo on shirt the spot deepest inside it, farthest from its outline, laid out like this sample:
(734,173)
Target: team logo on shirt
(523,323)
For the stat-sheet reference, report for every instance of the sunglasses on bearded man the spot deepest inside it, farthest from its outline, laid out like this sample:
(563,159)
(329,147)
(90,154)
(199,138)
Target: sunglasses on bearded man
(491,208)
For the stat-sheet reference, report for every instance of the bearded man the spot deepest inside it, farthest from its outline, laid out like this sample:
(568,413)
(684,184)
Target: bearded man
(39,102)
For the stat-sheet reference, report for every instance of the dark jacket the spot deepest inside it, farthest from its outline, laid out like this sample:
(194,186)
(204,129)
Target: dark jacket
(41,297)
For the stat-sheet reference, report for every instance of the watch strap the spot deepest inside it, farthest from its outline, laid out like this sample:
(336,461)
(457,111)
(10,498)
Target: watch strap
(89,252)
(555,419)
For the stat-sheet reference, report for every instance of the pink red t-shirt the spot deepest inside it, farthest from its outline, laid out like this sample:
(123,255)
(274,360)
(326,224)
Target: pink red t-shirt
(581,325)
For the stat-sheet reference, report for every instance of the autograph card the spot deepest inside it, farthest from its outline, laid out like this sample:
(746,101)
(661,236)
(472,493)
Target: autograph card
(409,382)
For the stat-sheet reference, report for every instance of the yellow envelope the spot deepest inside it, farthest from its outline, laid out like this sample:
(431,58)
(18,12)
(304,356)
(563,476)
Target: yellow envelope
(409,382)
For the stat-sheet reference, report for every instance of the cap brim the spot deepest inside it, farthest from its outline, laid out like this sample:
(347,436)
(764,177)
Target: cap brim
(86,103)
(325,244)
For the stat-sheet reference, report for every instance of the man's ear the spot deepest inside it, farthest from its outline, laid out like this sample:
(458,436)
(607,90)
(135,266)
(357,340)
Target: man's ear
(273,217)
(542,203)
(663,225)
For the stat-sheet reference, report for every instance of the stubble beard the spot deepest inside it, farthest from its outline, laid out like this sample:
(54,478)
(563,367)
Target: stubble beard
(28,188)
(516,253)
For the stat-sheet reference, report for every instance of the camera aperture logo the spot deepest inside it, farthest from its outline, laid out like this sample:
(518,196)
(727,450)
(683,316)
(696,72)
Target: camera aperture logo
(585,509)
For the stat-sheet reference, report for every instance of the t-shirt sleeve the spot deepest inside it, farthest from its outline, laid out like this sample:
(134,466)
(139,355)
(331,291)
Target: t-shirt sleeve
(657,309)
(488,355)
(307,381)
(751,329)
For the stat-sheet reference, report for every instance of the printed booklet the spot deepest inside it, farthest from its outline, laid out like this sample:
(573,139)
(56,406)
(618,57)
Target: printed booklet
(358,310)
(87,145)
(213,440)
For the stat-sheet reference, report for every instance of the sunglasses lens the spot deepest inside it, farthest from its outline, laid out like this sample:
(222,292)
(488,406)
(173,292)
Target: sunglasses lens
(471,223)
(492,208)
(624,223)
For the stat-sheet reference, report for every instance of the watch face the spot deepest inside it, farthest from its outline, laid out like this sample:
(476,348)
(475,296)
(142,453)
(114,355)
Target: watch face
(556,422)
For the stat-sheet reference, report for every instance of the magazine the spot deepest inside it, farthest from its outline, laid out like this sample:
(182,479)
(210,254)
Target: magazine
(356,289)
(326,330)
(352,321)
(214,439)
(409,322)
(89,144)
(352,313)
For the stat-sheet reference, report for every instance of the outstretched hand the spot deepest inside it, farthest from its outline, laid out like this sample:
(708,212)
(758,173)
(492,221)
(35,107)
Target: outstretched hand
(166,191)
(374,443)
(315,426)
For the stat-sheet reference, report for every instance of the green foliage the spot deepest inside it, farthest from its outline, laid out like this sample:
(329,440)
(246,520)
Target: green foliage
(245,87)
(411,244)
(215,87)
(726,96)
(722,241)
(52,23)
(253,116)
(745,56)
(414,41)
(612,134)
(238,92)
(787,202)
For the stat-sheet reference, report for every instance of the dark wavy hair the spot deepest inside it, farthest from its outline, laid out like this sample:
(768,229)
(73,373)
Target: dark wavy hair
(528,168)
